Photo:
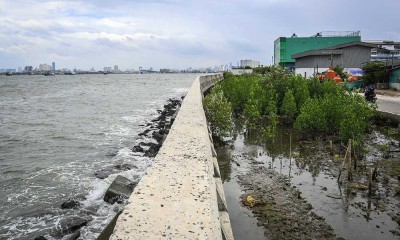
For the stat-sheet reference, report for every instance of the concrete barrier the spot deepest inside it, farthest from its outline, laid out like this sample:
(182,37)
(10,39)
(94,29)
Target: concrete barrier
(181,195)
(395,118)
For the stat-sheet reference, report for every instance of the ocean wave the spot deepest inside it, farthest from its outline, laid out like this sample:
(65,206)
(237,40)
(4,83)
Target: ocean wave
(83,128)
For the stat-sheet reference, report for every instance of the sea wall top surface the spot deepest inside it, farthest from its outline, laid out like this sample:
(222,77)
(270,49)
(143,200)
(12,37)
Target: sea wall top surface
(177,198)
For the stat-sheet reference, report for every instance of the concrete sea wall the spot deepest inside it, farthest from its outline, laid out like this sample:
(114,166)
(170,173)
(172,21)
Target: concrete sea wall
(181,195)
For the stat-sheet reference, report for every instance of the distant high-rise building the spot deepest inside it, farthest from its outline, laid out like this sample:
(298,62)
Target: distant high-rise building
(28,69)
(44,67)
(249,63)
(116,68)
(53,66)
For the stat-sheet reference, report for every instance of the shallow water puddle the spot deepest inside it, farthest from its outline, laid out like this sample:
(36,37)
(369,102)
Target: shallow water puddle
(243,222)
(351,213)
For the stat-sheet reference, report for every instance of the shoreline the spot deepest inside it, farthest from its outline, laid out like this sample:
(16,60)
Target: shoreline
(156,131)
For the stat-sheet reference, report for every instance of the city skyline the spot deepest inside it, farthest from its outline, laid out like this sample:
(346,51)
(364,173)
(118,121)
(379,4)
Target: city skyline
(45,67)
(173,33)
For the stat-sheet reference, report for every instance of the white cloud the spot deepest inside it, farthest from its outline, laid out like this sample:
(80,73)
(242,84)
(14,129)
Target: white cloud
(171,33)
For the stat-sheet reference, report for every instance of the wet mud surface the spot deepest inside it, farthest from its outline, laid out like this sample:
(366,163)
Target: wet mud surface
(292,190)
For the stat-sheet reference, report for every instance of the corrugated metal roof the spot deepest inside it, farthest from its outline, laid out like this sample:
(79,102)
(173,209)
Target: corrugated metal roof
(335,50)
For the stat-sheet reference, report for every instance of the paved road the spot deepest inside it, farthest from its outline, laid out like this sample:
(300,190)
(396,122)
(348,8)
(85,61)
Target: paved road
(388,104)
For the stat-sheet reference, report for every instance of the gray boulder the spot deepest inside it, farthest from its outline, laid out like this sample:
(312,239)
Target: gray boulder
(73,236)
(121,188)
(40,238)
(70,203)
(71,224)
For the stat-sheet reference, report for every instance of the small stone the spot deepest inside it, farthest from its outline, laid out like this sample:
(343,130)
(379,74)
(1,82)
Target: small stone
(70,203)
(40,238)
(73,236)
(137,149)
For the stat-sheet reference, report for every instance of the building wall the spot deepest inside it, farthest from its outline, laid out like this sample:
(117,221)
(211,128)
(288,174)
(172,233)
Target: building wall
(284,47)
(349,57)
(238,71)
(355,56)
(320,61)
(394,81)
(309,72)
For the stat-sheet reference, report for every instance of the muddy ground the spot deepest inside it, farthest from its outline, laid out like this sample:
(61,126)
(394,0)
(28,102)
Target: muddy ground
(293,190)
(280,207)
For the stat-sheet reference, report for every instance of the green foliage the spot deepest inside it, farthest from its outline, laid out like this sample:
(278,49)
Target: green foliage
(355,115)
(228,75)
(345,114)
(339,70)
(218,112)
(254,106)
(237,90)
(311,119)
(332,105)
(337,111)
(315,88)
(261,70)
(250,99)
(289,108)
(279,80)
(300,89)
(374,72)
(331,87)
(314,106)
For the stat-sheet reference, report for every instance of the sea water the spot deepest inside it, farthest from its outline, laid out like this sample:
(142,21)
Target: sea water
(57,131)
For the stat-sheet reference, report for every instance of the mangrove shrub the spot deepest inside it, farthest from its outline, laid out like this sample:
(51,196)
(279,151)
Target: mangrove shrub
(218,112)
(314,107)
(289,108)
(312,118)
(374,72)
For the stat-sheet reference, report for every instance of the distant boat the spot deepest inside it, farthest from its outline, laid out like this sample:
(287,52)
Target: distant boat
(9,74)
(105,73)
(49,74)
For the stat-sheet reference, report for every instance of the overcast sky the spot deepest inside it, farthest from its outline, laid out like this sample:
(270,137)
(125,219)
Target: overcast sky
(175,33)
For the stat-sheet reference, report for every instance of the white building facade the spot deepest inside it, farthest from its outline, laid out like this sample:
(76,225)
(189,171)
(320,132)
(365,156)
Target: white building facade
(44,67)
(249,63)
